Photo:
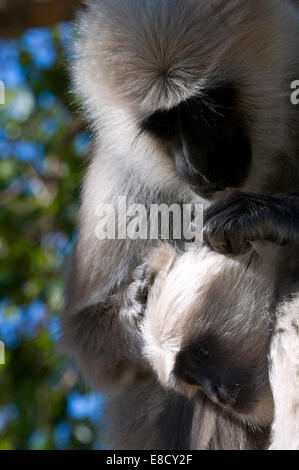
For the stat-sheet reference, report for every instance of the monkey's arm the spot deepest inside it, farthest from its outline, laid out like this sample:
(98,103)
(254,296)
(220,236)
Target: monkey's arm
(284,377)
(104,305)
(103,337)
(98,333)
(230,225)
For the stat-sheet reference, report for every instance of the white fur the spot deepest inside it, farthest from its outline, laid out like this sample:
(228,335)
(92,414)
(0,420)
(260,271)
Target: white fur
(284,378)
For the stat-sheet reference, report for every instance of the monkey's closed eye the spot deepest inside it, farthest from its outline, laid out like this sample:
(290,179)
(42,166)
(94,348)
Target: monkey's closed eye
(203,351)
(198,111)
(162,123)
(200,352)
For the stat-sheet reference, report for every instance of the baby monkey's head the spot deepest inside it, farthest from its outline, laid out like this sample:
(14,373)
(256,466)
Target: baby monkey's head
(207,328)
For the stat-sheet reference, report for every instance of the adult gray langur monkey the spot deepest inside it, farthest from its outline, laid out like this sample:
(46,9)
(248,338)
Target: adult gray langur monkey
(187,100)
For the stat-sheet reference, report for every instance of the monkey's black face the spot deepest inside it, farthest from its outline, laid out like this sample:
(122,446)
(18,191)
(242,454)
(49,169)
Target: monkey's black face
(206,364)
(209,139)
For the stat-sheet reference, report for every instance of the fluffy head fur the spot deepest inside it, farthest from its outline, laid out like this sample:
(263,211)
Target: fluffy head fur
(136,57)
(207,328)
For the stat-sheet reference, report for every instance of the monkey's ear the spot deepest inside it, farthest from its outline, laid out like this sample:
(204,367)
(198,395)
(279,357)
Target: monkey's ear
(161,258)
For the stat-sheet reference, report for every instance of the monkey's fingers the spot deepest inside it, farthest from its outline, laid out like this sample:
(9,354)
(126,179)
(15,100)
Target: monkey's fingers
(226,242)
(230,225)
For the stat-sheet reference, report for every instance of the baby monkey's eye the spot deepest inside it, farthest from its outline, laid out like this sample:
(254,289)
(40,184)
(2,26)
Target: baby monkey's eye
(201,351)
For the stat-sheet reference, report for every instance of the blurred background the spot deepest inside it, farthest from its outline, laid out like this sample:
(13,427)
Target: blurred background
(43,150)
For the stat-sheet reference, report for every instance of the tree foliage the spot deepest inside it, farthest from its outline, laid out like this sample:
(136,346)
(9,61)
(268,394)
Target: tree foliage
(17,15)
(42,147)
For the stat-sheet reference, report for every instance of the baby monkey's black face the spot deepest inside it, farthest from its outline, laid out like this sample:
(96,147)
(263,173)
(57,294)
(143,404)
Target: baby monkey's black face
(209,365)
(209,140)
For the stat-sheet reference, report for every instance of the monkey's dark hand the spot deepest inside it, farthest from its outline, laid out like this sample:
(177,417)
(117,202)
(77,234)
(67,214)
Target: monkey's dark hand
(230,225)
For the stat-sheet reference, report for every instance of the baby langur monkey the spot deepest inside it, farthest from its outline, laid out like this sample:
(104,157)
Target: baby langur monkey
(207,327)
